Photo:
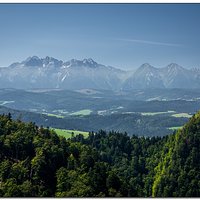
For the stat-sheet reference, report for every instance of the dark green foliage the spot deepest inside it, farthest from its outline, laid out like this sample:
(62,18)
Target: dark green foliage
(35,162)
(178,173)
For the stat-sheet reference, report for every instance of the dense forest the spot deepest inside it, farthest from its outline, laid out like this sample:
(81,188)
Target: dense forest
(35,162)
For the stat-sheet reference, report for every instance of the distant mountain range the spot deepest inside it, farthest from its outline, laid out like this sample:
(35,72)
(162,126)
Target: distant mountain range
(171,76)
(75,74)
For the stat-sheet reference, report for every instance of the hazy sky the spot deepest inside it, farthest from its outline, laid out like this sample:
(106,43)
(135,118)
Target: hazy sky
(120,35)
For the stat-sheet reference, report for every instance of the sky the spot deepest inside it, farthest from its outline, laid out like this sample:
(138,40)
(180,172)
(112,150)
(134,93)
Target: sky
(120,35)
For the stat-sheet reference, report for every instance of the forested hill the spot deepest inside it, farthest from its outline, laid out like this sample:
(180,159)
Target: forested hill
(35,162)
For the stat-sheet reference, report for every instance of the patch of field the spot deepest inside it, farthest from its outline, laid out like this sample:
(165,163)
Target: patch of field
(68,133)
(129,112)
(82,112)
(53,115)
(156,113)
(175,128)
(182,115)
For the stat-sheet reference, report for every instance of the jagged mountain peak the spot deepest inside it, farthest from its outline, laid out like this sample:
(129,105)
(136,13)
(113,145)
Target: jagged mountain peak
(52,61)
(81,63)
(32,61)
(89,60)
(72,63)
(146,66)
(32,58)
(35,61)
(47,58)
(174,66)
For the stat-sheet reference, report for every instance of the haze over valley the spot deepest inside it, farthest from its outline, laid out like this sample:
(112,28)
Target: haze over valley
(86,96)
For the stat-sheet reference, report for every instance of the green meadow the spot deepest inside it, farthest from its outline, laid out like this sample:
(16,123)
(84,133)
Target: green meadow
(156,113)
(82,112)
(175,128)
(182,115)
(68,133)
(53,115)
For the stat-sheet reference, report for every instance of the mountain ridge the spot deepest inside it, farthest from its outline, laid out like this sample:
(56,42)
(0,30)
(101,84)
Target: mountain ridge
(49,72)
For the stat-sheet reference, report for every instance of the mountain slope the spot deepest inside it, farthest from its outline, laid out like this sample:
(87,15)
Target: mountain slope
(178,172)
(171,76)
(146,76)
(175,76)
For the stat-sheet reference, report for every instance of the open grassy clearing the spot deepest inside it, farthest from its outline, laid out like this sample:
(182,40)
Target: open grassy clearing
(175,128)
(53,115)
(182,115)
(82,112)
(68,133)
(156,113)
